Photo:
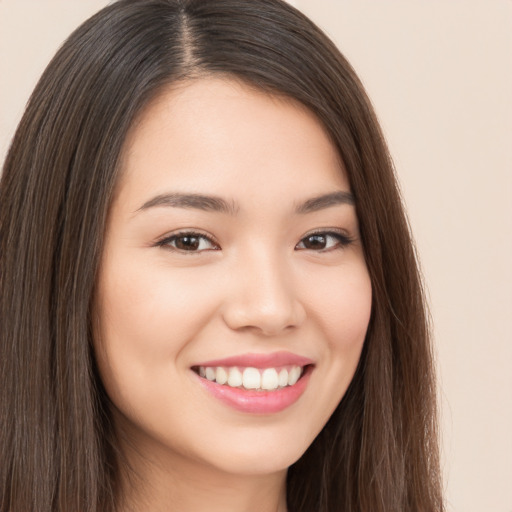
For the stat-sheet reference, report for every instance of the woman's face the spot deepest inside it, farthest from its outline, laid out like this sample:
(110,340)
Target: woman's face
(232,252)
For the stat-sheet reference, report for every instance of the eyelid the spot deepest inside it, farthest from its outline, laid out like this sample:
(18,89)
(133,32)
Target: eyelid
(166,239)
(343,237)
(328,231)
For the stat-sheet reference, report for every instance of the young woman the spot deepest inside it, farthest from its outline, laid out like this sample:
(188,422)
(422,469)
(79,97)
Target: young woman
(209,293)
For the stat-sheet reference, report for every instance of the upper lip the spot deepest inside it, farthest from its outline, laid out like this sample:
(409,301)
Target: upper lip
(252,360)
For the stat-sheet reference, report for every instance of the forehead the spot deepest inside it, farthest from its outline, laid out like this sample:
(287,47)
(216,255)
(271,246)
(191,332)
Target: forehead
(218,135)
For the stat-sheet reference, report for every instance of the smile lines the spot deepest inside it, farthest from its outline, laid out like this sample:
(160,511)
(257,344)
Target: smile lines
(267,379)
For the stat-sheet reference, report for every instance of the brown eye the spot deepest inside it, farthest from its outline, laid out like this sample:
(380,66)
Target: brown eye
(324,241)
(188,242)
(315,242)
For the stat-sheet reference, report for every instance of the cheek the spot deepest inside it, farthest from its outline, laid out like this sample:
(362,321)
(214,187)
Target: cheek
(342,310)
(342,306)
(152,308)
(147,316)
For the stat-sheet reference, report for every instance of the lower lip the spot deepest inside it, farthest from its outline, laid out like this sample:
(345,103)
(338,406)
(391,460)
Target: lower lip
(258,402)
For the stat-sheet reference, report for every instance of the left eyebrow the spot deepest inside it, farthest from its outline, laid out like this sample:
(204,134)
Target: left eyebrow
(325,201)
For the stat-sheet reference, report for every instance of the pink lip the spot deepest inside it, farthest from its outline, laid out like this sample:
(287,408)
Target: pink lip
(273,360)
(259,402)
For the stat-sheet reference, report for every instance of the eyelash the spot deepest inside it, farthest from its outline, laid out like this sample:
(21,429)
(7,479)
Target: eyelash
(165,242)
(342,240)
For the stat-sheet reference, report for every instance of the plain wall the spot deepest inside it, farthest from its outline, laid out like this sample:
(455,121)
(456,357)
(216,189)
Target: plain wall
(440,76)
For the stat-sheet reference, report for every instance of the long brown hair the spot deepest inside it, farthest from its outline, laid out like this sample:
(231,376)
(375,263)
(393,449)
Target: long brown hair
(378,452)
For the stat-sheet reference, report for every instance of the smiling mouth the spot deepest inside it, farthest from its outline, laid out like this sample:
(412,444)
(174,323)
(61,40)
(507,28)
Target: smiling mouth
(253,379)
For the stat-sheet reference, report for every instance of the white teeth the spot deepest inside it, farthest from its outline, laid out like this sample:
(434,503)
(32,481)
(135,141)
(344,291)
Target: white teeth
(294,375)
(283,378)
(251,378)
(235,378)
(267,379)
(222,375)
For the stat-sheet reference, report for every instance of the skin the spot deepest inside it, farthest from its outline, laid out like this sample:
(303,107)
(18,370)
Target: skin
(260,286)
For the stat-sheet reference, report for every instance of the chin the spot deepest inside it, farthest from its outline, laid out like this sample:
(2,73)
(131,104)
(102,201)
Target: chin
(259,453)
(264,463)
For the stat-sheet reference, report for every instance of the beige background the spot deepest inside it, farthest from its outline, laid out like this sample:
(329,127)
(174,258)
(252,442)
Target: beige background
(440,76)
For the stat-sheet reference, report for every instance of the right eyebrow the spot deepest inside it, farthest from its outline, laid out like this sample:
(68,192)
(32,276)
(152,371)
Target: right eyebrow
(192,201)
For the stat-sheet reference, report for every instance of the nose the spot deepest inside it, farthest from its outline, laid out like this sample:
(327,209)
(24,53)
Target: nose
(262,297)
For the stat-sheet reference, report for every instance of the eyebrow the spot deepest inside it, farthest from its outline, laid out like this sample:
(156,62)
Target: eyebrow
(220,205)
(192,201)
(325,201)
